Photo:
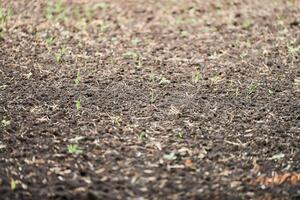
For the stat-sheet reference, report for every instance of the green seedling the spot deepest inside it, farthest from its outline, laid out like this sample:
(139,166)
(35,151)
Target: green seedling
(152,77)
(246,24)
(116,120)
(135,41)
(49,42)
(55,11)
(170,156)
(277,156)
(3,19)
(294,50)
(180,134)
(13,184)
(73,149)
(5,123)
(130,55)
(196,77)
(59,54)
(103,26)
(142,136)
(251,89)
(78,78)
(152,97)
(78,104)
(215,79)
(163,80)
(184,34)
(297,81)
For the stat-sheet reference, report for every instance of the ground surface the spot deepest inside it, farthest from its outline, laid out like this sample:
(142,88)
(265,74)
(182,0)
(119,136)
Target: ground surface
(162,99)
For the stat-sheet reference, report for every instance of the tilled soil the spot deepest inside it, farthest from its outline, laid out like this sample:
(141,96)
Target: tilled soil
(162,99)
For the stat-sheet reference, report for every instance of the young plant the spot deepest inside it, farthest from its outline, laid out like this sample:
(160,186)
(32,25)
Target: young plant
(294,50)
(170,156)
(163,80)
(152,97)
(116,120)
(55,11)
(180,134)
(4,123)
(78,104)
(78,78)
(297,81)
(184,34)
(73,149)
(196,77)
(152,77)
(3,19)
(13,184)
(135,41)
(49,42)
(59,54)
(142,136)
(251,89)
(130,54)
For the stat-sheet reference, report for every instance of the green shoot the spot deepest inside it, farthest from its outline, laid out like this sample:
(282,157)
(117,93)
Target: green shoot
(78,78)
(135,41)
(196,77)
(163,81)
(73,149)
(180,134)
(170,156)
(78,104)
(251,89)
(297,81)
(130,54)
(184,34)
(142,136)
(13,184)
(4,123)
(294,50)
(59,54)
(152,97)
(116,120)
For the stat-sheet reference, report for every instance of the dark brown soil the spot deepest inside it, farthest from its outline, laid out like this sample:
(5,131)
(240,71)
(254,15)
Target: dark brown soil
(178,99)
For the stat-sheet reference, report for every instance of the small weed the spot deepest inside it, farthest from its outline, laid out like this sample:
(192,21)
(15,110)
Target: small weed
(196,77)
(152,97)
(78,78)
(294,50)
(135,41)
(78,104)
(3,19)
(103,26)
(170,156)
(142,136)
(49,42)
(59,54)
(4,123)
(297,81)
(246,24)
(163,80)
(215,79)
(277,156)
(152,77)
(130,55)
(73,149)
(184,34)
(180,134)
(55,11)
(13,184)
(251,89)
(116,120)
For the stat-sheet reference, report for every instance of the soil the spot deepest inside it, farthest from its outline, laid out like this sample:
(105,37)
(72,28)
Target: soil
(162,99)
